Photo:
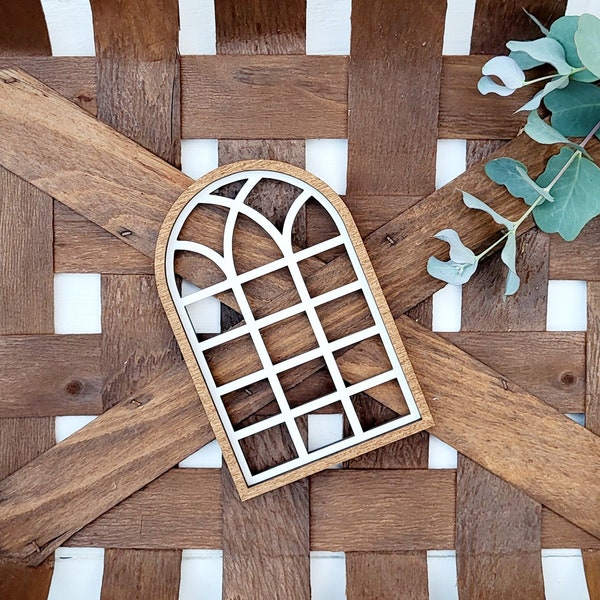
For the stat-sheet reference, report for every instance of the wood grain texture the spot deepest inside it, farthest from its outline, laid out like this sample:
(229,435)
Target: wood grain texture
(379,576)
(555,371)
(23,29)
(591,564)
(578,259)
(141,574)
(81,246)
(19,582)
(50,375)
(351,511)
(180,509)
(137,342)
(393,52)
(27,286)
(262,97)
(138,57)
(498,537)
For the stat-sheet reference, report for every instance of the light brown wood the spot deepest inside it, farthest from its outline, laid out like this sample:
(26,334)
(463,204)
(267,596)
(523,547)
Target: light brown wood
(246,491)
(19,582)
(50,375)
(188,500)
(141,574)
(351,511)
(591,564)
(578,259)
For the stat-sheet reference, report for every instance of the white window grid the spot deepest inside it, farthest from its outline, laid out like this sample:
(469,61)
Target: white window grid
(252,327)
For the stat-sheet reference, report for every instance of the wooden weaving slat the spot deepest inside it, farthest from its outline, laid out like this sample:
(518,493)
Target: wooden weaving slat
(578,259)
(443,200)
(395,63)
(265,539)
(26,291)
(141,574)
(139,95)
(50,375)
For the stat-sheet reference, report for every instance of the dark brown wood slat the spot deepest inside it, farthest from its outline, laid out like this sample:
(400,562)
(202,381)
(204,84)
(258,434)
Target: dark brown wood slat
(23,29)
(351,511)
(392,134)
(265,539)
(50,375)
(141,574)
(591,564)
(180,509)
(137,342)
(555,369)
(139,95)
(578,259)
(26,290)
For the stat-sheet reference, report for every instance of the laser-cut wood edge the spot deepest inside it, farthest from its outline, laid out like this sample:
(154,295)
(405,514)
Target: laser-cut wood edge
(244,490)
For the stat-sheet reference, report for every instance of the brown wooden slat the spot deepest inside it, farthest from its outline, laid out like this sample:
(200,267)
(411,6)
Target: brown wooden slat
(265,539)
(578,259)
(27,286)
(554,370)
(377,575)
(352,510)
(26,290)
(591,564)
(292,97)
(557,532)
(137,342)
(50,375)
(81,246)
(141,574)
(23,29)
(180,509)
(395,54)
(498,537)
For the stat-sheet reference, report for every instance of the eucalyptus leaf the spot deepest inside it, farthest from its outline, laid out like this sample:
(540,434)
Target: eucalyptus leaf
(545,49)
(587,40)
(576,195)
(450,271)
(537,129)
(459,253)
(504,172)
(473,202)
(563,31)
(556,83)
(486,85)
(524,60)
(506,69)
(534,186)
(575,109)
(509,258)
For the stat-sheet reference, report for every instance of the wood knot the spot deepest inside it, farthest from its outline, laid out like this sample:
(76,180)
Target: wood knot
(75,387)
(568,379)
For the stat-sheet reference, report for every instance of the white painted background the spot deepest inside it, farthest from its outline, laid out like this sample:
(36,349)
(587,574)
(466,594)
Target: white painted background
(78,572)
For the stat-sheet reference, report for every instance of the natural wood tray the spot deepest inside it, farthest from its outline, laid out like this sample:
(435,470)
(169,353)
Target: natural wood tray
(393,97)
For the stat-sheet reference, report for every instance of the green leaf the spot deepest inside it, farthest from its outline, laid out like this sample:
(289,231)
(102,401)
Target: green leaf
(545,49)
(477,204)
(509,258)
(462,263)
(538,130)
(575,109)
(587,40)
(524,60)
(534,186)
(563,31)
(504,172)
(576,198)
(556,83)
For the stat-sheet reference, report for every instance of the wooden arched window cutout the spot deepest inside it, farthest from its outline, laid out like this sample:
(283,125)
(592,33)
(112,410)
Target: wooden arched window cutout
(262,349)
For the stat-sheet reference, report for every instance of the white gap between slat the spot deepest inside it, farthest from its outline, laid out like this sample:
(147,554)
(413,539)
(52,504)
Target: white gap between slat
(197,27)
(77,303)
(564,576)
(328,27)
(70,27)
(441,574)
(567,306)
(328,160)
(77,574)
(458,27)
(328,575)
(201,575)
(578,7)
